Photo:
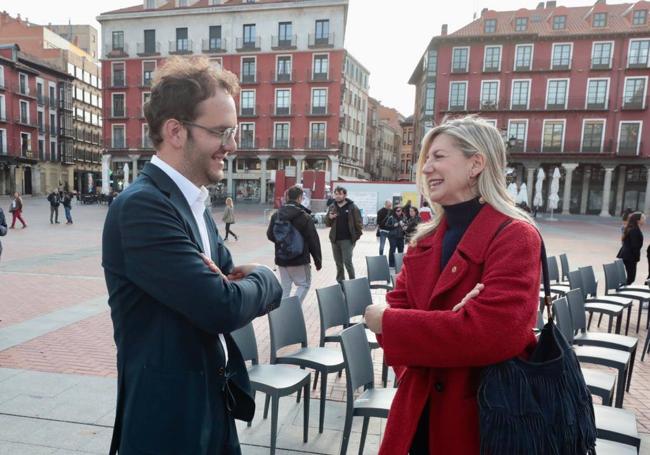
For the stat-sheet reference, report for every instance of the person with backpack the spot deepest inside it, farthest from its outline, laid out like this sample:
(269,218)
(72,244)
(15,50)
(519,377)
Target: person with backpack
(294,234)
(55,201)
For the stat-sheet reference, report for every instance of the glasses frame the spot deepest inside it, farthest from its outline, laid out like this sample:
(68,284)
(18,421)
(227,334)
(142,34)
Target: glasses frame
(223,133)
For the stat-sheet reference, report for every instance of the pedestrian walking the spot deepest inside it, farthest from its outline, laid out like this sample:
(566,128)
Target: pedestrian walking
(67,206)
(411,224)
(396,225)
(382,230)
(632,241)
(16,210)
(3,227)
(54,199)
(293,232)
(344,219)
(229,218)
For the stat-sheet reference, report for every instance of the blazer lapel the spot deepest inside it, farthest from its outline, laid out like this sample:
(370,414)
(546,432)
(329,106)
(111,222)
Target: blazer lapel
(213,235)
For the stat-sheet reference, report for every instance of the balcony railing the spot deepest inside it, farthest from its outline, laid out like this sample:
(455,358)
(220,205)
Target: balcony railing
(321,41)
(181,47)
(119,52)
(315,143)
(214,45)
(248,143)
(577,103)
(637,64)
(600,65)
(41,100)
(147,48)
(117,82)
(492,68)
(489,105)
(318,110)
(282,111)
(280,143)
(66,132)
(53,130)
(320,76)
(635,103)
(627,149)
(121,113)
(284,42)
(248,112)
(250,78)
(3,117)
(280,78)
(460,69)
(26,122)
(245,45)
(52,103)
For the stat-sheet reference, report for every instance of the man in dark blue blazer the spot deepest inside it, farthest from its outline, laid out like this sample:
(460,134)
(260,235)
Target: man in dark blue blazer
(174,292)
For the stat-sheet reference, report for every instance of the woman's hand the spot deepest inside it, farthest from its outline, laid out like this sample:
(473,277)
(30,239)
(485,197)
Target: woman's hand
(470,295)
(373,316)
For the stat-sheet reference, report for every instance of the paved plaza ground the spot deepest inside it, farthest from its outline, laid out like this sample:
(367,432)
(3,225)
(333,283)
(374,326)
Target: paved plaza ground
(57,356)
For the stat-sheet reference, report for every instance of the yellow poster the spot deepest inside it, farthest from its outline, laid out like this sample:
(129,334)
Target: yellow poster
(410,196)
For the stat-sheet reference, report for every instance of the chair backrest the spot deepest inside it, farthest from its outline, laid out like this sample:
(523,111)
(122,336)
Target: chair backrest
(564,263)
(553,272)
(332,308)
(611,277)
(378,269)
(287,325)
(589,281)
(357,295)
(399,260)
(576,305)
(540,320)
(358,360)
(245,341)
(563,318)
(622,273)
(576,282)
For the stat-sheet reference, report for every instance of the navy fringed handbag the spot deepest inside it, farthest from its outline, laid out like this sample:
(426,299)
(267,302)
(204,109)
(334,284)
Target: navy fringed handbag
(540,406)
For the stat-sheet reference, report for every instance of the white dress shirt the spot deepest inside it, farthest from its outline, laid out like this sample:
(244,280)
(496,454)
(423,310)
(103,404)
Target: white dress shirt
(196,198)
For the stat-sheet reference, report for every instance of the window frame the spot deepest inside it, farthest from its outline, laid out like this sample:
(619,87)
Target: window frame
(275,136)
(525,140)
(607,79)
(512,91)
(453,51)
(611,55)
(645,90)
(496,101)
(555,120)
(485,51)
(602,136)
(566,95)
(449,105)
(517,24)
(555,22)
(638,141)
(599,15)
(556,45)
(123,125)
(532,52)
(629,51)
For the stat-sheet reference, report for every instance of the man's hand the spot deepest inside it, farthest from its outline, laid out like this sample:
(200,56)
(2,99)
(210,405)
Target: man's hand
(212,266)
(470,295)
(242,271)
(373,316)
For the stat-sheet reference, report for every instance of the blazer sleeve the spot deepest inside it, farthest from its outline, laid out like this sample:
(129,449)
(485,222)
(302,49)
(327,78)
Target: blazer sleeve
(160,258)
(495,326)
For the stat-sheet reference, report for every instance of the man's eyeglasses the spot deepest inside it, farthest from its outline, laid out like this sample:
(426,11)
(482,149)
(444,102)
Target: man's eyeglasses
(225,134)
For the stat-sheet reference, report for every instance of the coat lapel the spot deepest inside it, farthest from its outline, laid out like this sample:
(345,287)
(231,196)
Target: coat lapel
(213,235)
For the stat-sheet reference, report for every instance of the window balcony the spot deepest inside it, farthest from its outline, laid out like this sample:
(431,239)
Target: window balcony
(489,105)
(250,78)
(181,47)
(280,143)
(213,45)
(284,42)
(319,111)
(598,64)
(66,132)
(629,149)
(315,143)
(459,69)
(24,121)
(118,52)
(249,112)
(117,82)
(248,45)
(122,113)
(248,143)
(148,49)
(3,117)
(282,111)
(492,68)
(318,76)
(282,78)
(635,103)
(321,41)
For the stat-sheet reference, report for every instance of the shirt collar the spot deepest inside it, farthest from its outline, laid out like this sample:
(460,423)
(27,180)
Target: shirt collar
(193,194)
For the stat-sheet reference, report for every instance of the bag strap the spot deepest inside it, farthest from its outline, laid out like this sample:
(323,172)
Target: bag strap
(548,300)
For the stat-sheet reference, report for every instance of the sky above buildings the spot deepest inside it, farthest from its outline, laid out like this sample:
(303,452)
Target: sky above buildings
(387,37)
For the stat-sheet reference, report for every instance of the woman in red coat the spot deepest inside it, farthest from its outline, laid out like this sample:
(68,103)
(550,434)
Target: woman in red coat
(466,297)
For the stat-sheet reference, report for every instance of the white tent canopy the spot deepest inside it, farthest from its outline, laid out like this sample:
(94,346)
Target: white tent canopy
(126,176)
(538,200)
(522,196)
(554,196)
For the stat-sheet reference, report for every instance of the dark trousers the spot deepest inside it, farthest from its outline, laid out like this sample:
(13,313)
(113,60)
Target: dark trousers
(68,215)
(630,269)
(228,231)
(342,251)
(54,214)
(395,243)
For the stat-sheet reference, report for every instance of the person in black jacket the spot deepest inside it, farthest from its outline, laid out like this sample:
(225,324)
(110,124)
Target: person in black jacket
(632,239)
(296,270)
(3,228)
(382,230)
(396,225)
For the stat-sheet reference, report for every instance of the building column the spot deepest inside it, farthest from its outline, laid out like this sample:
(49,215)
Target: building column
(646,205)
(607,187)
(620,190)
(584,198)
(334,169)
(229,185)
(134,164)
(568,180)
(263,160)
(106,166)
(12,179)
(3,180)
(530,181)
(299,159)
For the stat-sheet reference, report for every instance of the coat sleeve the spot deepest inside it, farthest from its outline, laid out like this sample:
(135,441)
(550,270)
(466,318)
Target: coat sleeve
(313,242)
(160,259)
(269,230)
(358,223)
(495,326)
(3,223)
(636,243)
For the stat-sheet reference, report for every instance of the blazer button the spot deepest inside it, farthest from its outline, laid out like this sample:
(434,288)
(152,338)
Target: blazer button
(221,371)
(453,269)
(439,387)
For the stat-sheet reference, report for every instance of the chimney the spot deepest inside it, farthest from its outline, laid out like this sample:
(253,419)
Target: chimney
(18,17)
(443,30)
(483,11)
(540,5)
(551,4)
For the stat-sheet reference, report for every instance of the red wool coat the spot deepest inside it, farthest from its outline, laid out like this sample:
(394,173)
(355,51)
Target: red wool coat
(439,353)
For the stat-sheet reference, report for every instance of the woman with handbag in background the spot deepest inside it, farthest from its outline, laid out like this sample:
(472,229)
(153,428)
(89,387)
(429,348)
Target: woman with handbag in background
(229,218)
(16,209)
(395,224)
(466,298)
(632,239)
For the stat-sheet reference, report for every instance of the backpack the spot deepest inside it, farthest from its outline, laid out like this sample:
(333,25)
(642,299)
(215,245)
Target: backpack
(288,240)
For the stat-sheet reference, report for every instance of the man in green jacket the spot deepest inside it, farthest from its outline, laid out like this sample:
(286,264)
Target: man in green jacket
(344,218)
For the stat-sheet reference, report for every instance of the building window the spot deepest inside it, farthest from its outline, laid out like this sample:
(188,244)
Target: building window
(281,135)
(147,72)
(638,55)
(321,67)
(3,108)
(151,4)
(285,34)
(457,96)
(634,93)
(41,122)
(24,84)
(52,125)
(489,95)
(322,31)
(247,135)
(521,24)
(517,129)
(182,43)
(248,73)
(146,140)
(24,112)
(118,105)
(553,136)
(628,138)
(432,62)
(2,76)
(3,142)
(640,17)
(282,101)
(119,140)
(490,26)
(119,79)
(523,57)
(592,136)
(319,101)
(460,60)
(248,102)
(601,55)
(556,94)
(283,72)
(118,41)
(317,135)
(249,35)
(561,56)
(492,58)
(150,42)
(429,98)
(25,144)
(599,20)
(597,93)
(559,22)
(214,35)
(520,94)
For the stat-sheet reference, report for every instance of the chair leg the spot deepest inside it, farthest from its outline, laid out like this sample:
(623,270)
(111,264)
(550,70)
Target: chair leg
(315,380)
(305,418)
(629,315)
(646,347)
(250,422)
(274,422)
(619,323)
(347,428)
(323,398)
(629,376)
(600,318)
(591,315)
(267,400)
(638,317)
(298,395)
(364,433)
(620,387)
(609,326)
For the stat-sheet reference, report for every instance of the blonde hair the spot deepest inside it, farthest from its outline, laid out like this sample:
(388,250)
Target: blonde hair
(472,135)
(229,202)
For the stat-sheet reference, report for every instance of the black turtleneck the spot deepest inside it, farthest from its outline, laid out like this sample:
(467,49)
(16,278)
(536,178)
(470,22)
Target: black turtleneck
(459,217)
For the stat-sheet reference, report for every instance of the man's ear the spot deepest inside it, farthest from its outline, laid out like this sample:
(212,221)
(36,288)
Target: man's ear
(174,133)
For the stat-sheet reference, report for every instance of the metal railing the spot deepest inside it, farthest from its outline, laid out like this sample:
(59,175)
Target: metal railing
(214,45)
(145,49)
(284,42)
(321,40)
(181,46)
(248,44)
(120,52)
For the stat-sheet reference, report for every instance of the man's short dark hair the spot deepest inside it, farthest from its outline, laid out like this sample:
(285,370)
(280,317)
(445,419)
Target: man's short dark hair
(178,88)
(340,189)
(294,193)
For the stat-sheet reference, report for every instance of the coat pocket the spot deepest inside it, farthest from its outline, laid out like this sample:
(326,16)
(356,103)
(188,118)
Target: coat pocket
(170,413)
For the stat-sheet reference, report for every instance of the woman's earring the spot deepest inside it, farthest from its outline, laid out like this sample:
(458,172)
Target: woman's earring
(481,200)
